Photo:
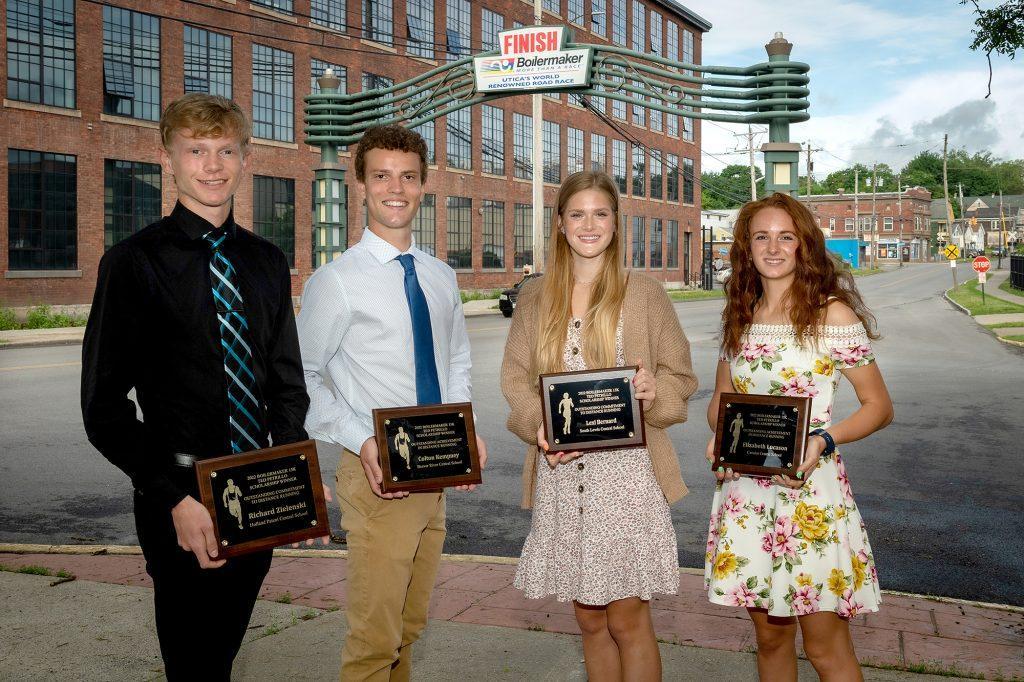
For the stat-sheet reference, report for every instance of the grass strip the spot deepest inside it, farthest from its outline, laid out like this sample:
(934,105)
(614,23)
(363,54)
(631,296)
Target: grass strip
(1005,286)
(969,296)
(478,295)
(694,294)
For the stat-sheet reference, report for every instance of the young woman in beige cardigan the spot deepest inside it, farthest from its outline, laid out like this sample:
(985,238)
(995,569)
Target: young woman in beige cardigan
(601,534)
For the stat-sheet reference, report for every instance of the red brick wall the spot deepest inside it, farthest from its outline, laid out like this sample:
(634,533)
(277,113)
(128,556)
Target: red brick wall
(916,202)
(93,139)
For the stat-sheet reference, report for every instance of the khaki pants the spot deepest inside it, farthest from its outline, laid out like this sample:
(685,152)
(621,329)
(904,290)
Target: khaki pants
(394,549)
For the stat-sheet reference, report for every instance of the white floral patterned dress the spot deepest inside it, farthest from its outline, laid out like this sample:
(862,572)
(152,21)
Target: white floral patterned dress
(793,552)
(601,528)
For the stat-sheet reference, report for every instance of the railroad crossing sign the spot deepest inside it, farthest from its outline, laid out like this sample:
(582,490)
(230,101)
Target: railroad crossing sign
(981,264)
(952,251)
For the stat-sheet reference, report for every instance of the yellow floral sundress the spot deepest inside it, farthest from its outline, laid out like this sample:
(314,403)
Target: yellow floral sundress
(793,552)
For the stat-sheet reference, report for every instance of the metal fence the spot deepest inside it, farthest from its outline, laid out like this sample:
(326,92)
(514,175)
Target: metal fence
(1017,271)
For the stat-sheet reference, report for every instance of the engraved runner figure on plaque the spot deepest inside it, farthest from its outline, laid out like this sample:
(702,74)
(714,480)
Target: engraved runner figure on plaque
(232,499)
(565,409)
(736,427)
(402,443)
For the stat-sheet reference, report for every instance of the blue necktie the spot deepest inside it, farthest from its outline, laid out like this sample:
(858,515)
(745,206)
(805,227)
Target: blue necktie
(428,392)
(244,417)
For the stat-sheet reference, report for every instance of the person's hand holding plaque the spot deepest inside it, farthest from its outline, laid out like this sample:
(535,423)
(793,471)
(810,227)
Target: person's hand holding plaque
(481,448)
(553,458)
(721,473)
(324,539)
(194,527)
(644,383)
(812,452)
(369,456)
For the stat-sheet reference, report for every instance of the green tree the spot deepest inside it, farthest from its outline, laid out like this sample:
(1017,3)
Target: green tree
(999,30)
(730,187)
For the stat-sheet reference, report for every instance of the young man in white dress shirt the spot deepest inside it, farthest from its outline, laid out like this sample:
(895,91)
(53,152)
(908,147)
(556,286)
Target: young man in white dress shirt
(356,328)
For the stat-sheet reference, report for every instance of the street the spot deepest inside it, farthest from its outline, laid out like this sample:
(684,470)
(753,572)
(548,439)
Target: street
(940,489)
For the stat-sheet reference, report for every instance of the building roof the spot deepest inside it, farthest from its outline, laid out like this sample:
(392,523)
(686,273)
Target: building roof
(918,193)
(686,13)
(988,207)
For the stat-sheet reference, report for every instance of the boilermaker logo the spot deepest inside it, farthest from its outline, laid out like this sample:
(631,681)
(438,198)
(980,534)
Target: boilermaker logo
(497,67)
(533,58)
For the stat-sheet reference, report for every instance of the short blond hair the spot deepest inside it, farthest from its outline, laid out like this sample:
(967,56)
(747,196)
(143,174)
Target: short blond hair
(204,116)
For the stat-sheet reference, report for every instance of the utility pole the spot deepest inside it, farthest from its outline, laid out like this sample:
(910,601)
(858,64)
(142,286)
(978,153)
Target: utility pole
(1002,229)
(856,209)
(949,209)
(899,203)
(810,167)
(750,150)
(874,217)
(537,103)
(963,224)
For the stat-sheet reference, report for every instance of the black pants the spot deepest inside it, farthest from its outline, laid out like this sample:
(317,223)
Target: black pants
(201,614)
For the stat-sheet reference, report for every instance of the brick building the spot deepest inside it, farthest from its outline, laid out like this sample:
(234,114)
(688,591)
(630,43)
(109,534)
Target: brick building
(86,81)
(895,219)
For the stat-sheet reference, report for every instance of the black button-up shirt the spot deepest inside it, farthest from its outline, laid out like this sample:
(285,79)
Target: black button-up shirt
(153,327)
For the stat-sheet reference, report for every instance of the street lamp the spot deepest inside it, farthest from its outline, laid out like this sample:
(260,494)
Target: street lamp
(707,281)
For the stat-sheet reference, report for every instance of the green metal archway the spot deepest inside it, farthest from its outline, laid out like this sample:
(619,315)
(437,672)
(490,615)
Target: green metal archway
(773,92)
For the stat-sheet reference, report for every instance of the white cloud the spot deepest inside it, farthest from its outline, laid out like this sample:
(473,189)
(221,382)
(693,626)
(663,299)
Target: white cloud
(921,110)
(743,26)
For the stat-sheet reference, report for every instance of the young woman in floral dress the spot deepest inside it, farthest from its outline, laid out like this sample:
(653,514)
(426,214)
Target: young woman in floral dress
(601,534)
(795,551)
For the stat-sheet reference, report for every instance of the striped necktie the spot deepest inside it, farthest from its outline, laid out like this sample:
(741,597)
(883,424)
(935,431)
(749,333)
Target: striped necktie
(244,413)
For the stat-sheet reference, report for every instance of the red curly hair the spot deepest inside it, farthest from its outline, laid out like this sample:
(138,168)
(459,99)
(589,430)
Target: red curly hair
(820,276)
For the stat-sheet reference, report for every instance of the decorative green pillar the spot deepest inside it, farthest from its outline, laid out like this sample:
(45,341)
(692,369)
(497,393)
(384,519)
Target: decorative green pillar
(330,195)
(781,157)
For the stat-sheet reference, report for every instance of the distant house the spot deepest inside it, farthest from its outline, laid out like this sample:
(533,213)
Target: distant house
(717,225)
(980,227)
(887,225)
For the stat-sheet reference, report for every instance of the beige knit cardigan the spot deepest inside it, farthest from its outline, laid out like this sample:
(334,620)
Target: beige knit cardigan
(650,332)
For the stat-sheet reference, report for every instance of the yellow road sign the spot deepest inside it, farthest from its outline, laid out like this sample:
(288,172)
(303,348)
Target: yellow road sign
(952,251)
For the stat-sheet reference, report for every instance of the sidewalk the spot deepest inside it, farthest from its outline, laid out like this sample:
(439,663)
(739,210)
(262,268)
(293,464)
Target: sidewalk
(25,338)
(99,626)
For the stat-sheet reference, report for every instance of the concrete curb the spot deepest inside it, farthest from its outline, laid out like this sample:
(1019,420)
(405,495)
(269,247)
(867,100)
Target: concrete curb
(965,311)
(1011,342)
(129,550)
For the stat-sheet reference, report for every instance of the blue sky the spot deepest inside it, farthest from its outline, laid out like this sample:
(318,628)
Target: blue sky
(887,78)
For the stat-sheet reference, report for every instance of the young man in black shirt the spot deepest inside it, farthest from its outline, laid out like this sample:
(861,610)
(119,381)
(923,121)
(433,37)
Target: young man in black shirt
(195,314)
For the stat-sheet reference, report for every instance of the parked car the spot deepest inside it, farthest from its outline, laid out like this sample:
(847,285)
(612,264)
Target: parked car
(507,300)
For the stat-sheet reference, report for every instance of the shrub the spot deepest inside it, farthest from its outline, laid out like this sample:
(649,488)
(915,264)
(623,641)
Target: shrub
(7,320)
(41,317)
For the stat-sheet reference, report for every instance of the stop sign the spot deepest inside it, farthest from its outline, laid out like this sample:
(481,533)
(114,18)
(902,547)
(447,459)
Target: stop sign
(981,264)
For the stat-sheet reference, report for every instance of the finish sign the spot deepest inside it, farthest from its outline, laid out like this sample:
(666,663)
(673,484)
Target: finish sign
(533,58)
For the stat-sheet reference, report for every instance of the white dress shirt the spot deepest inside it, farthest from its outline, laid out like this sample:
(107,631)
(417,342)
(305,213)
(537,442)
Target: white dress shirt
(356,330)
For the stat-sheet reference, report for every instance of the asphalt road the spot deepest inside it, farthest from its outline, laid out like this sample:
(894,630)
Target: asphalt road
(941,489)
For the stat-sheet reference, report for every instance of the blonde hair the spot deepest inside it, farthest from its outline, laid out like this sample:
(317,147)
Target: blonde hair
(609,289)
(204,116)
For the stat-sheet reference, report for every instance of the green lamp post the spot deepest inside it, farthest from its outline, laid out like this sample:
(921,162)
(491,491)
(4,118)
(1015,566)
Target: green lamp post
(781,157)
(330,195)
